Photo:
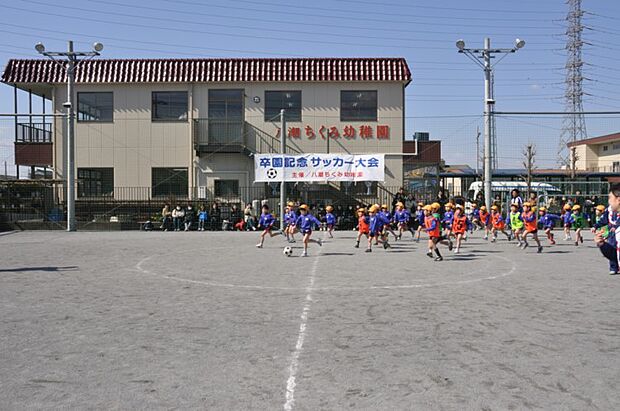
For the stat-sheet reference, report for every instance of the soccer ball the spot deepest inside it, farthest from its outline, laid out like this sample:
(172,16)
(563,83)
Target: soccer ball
(288,251)
(271,173)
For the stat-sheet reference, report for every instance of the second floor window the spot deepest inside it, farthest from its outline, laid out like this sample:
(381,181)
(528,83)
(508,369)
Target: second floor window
(358,106)
(169,106)
(95,106)
(287,100)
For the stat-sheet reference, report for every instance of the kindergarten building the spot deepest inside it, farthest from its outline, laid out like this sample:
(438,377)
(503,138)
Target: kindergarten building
(191,127)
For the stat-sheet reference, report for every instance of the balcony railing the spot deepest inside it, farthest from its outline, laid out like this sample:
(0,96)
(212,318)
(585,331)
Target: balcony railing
(236,135)
(34,133)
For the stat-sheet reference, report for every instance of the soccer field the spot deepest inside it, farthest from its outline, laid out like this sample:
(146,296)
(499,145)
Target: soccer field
(151,320)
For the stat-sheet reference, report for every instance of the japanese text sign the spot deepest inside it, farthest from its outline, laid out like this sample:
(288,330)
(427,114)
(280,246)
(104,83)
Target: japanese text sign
(319,167)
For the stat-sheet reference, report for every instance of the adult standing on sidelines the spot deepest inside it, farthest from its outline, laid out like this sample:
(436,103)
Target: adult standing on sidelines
(516,199)
(398,198)
(611,248)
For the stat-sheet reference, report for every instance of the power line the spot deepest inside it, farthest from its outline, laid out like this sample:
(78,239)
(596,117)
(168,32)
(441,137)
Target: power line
(454,8)
(349,11)
(301,14)
(213,33)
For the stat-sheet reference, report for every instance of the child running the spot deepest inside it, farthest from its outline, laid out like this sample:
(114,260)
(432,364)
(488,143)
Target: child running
(401,217)
(290,219)
(419,216)
(485,221)
(306,222)
(330,220)
(388,217)
(432,227)
(498,224)
(460,224)
(446,221)
(475,217)
(531,226)
(266,222)
(547,222)
(516,223)
(362,226)
(567,221)
(376,222)
(579,223)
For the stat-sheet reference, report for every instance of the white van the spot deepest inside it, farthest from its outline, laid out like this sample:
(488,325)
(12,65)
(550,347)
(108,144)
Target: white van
(503,188)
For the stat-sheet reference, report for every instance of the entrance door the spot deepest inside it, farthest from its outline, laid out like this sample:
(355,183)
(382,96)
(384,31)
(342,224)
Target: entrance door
(226,120)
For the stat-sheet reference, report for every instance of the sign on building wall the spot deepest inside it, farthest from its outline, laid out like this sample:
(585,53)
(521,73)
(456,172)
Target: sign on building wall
(319,167)
(348,132)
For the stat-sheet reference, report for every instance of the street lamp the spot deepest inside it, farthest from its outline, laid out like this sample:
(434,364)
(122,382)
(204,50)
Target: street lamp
(70,62)
(486,54)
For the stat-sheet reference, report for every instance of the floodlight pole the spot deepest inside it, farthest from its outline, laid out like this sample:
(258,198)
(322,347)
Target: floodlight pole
(70,172)
(283,182)
(70,64)
(486,54)
(488,107)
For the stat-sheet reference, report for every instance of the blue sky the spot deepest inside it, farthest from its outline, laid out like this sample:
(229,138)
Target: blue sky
(445,97)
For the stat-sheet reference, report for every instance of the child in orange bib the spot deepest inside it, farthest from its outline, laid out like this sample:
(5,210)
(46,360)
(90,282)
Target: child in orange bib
(531,226)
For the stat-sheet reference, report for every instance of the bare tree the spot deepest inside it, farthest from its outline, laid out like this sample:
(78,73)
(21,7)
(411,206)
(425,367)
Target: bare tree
(529,164)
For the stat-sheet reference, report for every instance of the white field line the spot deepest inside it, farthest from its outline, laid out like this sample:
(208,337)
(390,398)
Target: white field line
(294,365)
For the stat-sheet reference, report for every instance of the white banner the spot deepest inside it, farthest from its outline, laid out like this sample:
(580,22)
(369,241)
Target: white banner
(319,167)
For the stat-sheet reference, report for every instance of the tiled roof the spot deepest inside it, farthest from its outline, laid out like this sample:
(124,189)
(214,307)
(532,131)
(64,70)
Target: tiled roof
(212,70)
(596,140)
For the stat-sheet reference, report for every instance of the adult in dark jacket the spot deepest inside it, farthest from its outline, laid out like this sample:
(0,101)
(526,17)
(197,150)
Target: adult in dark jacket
(399,197)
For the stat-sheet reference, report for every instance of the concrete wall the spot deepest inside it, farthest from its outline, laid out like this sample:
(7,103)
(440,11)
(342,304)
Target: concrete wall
(133,144)
(595,157)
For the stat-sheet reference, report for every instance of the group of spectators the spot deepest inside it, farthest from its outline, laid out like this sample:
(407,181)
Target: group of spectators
(217,217)
(231,217)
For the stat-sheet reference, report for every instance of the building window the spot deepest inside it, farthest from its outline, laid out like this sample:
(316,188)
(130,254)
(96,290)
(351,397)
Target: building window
(615,167)
(615,146)
(358,106)
(95,182)
(605,148)
(226,188)
(283,100)
(226,104)
(169,181)
(95,106)
(169,106)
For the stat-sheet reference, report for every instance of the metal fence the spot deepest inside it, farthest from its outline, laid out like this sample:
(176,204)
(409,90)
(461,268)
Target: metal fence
(40,204)
(35,205)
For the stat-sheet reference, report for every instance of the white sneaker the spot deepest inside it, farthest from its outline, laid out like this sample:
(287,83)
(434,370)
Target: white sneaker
(259,245)
(304,254)
(457,251)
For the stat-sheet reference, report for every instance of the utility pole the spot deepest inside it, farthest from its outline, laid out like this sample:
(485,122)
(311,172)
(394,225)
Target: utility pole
(477,152)
(70,165)
(486,54)
(70,65)
(283,182)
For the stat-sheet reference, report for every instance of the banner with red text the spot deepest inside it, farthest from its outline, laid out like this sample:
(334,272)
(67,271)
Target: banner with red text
(319,167)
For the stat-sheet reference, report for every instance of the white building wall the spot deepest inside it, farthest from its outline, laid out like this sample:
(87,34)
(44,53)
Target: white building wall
(133,144)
